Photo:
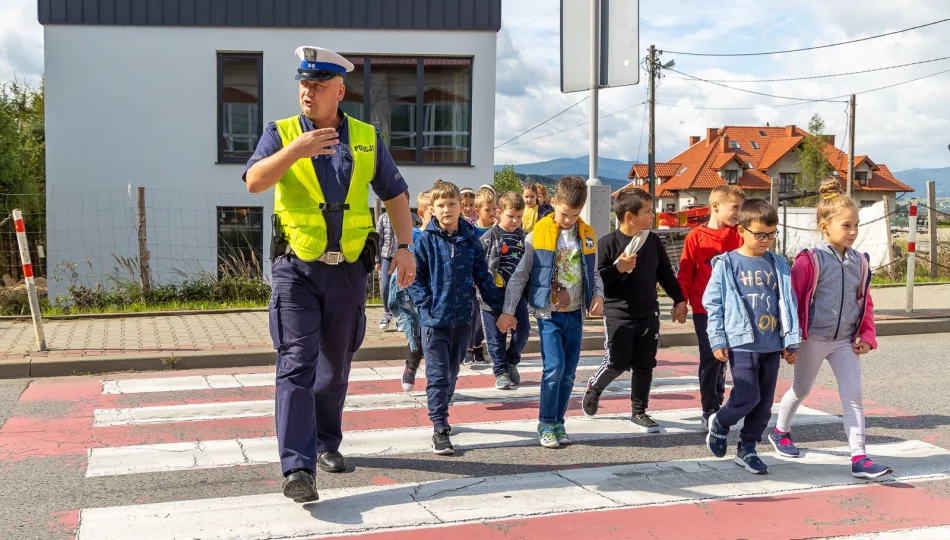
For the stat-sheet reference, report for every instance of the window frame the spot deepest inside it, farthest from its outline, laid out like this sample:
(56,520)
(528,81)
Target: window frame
(419,105)
(242,55)
(218,229)
(727,176)
(863,182)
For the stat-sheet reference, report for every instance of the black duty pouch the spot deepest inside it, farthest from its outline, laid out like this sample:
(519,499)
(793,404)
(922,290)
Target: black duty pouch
(370,250)
(278,244)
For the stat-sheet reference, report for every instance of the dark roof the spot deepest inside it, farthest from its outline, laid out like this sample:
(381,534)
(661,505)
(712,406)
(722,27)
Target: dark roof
(370,14)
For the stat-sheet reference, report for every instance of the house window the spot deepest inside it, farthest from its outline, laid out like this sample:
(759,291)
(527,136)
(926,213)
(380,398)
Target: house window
(682,171)
(865,204)
(762,133)
(240,240)
(240,113)
(734,145)
(671,207)
(731,176)
(755,145)
(861,177)
(786,182)
(422,107)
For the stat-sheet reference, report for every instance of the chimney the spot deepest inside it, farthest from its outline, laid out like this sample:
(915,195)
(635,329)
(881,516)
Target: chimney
(790,130)
(830,139)
(710,135)
(693,139)
(724,146)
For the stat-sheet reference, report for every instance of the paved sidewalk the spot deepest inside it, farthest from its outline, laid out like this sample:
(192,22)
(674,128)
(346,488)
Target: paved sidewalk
(85,345)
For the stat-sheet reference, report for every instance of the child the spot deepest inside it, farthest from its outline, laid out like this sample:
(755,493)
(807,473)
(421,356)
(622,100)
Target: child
(485,210)
(544,204)
(833,275)
(468,205)
(402,308)
(530,215)
(504,247)
(387,250)
(631,310)
(717,236)
(559,268)
(450,263)
(753,323)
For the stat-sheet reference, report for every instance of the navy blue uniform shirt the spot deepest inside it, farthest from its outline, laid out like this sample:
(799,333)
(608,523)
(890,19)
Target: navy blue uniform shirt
(334,171)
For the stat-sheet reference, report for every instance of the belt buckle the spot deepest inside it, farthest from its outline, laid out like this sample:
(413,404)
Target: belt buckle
(332,258)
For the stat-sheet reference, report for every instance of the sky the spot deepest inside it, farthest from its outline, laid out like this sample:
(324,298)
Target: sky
(904,127)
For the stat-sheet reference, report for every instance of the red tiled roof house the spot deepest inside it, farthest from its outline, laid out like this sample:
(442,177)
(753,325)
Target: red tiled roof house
(753,158)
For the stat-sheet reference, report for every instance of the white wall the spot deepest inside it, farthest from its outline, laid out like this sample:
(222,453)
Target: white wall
(138,105)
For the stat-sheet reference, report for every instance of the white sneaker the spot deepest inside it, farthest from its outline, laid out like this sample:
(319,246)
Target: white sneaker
(384,322)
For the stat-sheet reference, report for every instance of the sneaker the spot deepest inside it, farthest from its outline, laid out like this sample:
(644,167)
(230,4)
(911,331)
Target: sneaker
(513,375)
(561,435)
(548,437)
(782,442)
(644,421)
(591,401)
(502,382)
(399,326)
(408,379)
(479,354)
(865,468)
(747,458)
(717,438)
(441,444)
(384,322)
(469,358)
(705,419)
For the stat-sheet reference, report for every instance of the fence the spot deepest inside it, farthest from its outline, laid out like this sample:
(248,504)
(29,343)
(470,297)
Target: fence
(34,214)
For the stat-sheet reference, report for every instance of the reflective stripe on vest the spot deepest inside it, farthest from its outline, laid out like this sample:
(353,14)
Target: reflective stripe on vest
(297,196)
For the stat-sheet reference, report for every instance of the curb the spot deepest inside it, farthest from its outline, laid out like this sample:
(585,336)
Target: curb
(64,367)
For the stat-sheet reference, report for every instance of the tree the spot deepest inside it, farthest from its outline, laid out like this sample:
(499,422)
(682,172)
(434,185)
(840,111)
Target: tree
(813,164)
(507,180)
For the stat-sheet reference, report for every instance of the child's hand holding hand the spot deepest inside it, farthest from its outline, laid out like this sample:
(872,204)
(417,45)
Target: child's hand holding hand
(507,323)
(790,356)
(722,355)
(679,312)
(861,348)
(596,306)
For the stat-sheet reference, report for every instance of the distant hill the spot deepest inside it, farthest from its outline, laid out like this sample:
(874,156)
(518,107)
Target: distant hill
(612,172)
(917,179)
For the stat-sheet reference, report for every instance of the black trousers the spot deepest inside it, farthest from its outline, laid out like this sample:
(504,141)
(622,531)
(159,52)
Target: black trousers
(712,372)
(631,345)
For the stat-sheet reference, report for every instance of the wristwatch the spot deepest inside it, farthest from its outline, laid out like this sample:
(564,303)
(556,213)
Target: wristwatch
(404,246)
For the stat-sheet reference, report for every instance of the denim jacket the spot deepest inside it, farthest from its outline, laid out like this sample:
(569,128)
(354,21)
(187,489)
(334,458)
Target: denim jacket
(730,322)
(401,306)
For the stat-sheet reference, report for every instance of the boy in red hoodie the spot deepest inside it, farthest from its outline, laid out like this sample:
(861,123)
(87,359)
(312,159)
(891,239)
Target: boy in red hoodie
(717,236)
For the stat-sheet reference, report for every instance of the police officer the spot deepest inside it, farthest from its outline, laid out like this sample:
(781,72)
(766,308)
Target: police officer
(322,164)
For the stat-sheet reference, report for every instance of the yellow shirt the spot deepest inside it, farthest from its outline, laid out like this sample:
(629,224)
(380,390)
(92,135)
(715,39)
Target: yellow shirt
(529,218)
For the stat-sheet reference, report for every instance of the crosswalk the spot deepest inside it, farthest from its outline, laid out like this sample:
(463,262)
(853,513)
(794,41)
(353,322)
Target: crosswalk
(223,421)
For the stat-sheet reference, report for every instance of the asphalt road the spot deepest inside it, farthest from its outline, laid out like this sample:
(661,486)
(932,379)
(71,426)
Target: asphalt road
(907,380)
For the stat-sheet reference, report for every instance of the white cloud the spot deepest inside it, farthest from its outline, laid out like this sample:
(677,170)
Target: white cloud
(904,126)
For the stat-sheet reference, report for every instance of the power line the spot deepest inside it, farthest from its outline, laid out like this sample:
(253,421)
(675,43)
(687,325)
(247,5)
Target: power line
(663,9)
(575,127)
(815,47)
(743,89)
(542,123)
(532,21)
(815,76)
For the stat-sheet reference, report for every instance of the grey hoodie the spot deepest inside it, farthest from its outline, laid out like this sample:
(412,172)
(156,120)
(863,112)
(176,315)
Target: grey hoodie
(834,311)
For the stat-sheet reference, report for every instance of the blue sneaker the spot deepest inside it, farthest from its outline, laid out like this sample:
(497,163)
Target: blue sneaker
(561,435)
(717,438)
(865,468)
(548,436)
(747,458)
(782,442)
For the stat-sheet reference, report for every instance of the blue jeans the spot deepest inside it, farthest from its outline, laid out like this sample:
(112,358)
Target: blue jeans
(503,353)
(443,349)
(384,284)
(560,352)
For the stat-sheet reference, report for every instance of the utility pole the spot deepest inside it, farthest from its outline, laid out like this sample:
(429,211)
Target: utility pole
(594,89)
(651,148)
(851,106)
(932,227)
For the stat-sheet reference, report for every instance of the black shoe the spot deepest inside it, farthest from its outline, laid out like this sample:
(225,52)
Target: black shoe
(441,444)
(331,462)
(299,486)
(479,355)
(469,358)
(644,421)
(591,401)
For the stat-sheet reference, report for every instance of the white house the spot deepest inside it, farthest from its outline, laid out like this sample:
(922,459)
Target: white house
(173,95)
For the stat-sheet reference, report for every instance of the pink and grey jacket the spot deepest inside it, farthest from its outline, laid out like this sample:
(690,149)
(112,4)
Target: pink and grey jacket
(805,273)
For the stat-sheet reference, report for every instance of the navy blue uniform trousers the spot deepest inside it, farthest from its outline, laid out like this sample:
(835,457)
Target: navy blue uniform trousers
(317,322)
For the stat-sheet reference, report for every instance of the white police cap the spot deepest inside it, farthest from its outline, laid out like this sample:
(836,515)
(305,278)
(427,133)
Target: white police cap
(319,64)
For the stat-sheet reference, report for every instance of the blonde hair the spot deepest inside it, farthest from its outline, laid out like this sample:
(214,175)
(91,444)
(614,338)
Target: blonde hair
(833,200)
(542,193)
(726,194)
(511,200)
(423,201)
(483,197)
(444,190)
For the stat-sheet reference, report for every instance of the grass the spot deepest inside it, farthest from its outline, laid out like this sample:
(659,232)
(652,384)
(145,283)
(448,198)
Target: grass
(142,307)
(879,279)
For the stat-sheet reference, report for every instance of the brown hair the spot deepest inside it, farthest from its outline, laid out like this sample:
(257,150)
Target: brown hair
(833,200)
(444,190)
(730,194)
(512,201)
(571,191)
(631,200)
(423,201)
(530,187)
(757,210)
(483,197)
(543,193)
(466,193)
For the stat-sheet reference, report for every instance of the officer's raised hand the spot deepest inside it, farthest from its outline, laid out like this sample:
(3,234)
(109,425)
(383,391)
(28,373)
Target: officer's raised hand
(318,142)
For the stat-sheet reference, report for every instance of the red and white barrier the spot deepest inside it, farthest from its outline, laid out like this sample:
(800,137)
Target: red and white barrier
(911,254)
(30,282)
